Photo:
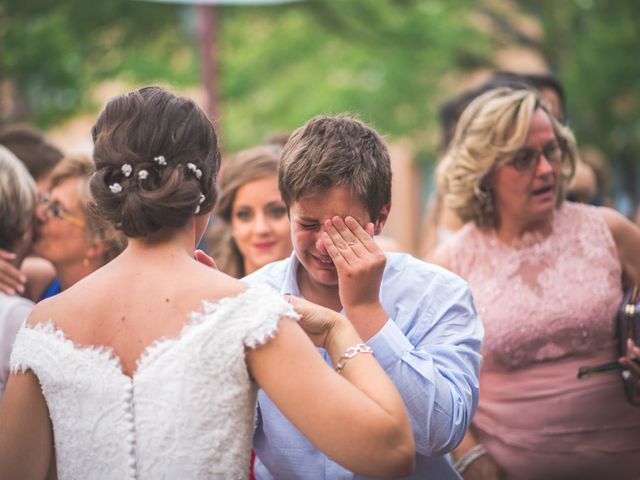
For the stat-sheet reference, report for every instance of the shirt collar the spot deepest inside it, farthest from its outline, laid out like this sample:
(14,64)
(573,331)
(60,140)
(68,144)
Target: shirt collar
(290,284)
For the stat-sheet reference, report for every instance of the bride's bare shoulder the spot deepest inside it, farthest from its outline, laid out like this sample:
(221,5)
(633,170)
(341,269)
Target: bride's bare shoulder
(219,284)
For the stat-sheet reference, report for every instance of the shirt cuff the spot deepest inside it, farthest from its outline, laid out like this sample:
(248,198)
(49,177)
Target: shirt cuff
(389,344)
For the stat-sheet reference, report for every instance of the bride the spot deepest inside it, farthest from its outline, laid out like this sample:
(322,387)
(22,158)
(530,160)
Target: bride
(129,374)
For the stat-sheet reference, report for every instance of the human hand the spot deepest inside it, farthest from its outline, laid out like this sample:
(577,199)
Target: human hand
(483,468)
(205,259)
(358,260)
(11,279)
(633,352)
(317,321)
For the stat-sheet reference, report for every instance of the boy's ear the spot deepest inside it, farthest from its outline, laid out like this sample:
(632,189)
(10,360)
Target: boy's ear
(382,219)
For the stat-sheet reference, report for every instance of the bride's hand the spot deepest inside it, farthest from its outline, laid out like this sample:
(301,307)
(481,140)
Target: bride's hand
(315,320)
(205,259)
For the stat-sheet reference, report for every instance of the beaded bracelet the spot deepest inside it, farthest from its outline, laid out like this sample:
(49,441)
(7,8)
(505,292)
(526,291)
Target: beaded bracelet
(350,353)
(469,457)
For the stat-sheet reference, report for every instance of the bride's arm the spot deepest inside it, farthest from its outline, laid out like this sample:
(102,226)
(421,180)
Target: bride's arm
(357,418)
(26,435)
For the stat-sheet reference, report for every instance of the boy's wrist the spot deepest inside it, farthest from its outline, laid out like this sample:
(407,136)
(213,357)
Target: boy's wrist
(367,319)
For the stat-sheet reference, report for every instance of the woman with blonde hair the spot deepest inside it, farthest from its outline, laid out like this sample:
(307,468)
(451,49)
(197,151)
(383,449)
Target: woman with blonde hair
(547,279)
(252,226)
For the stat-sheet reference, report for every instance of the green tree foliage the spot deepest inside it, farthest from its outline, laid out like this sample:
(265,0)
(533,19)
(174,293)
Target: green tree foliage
(54,52)
(385,61)
(593,46)
(390,61)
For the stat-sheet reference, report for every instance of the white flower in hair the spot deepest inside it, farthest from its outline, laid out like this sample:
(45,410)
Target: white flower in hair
(115,188)
(143,174)
(197,210)
(126,169)
(160,160)
(196,171)
(202,197)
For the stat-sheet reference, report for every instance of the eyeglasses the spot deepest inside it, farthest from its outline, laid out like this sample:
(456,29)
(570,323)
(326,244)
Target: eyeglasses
(527,159)
(54,209)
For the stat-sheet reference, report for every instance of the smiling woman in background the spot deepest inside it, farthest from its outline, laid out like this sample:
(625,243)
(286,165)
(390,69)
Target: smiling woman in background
(253,227)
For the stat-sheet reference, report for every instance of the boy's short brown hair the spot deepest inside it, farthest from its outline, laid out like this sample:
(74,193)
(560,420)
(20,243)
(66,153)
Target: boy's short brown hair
(341,151)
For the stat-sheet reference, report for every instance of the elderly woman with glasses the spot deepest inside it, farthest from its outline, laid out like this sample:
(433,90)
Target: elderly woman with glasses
(547,279)
(68,235)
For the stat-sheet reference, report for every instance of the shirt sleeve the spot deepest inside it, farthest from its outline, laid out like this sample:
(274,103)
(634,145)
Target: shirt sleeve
(432,353)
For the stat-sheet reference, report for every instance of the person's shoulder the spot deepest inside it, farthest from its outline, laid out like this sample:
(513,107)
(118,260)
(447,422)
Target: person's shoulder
(15,310)
(44,310)
(15,301)
(619,225)
(415,273)
(573,209)
(272,274)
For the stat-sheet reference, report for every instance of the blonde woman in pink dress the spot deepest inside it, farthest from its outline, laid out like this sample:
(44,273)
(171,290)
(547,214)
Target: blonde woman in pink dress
(547,278)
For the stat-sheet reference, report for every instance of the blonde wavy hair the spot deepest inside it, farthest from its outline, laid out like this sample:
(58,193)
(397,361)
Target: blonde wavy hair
(490,131)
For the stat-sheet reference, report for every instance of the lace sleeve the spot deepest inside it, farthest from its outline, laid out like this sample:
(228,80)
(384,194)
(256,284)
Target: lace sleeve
(261,315)
(26,352)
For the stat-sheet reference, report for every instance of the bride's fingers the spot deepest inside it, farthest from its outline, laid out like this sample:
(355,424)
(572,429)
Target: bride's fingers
(205,259)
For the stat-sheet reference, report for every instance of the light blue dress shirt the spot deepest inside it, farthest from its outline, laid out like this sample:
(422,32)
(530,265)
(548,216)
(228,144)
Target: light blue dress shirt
(430,347)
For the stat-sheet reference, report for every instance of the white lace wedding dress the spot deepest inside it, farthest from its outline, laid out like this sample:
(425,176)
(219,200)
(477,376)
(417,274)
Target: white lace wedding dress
(187,413)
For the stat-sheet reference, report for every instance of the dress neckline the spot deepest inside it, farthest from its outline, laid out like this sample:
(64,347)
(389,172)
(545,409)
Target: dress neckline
(106,353)
(529,239)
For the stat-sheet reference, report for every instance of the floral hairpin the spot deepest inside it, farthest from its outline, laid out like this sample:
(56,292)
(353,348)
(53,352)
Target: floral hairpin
(115,188)
(143,174)
(126,169)
(196,171)
(160,160)
(200,202)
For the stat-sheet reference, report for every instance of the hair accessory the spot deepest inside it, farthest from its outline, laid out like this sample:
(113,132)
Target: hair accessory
(126,169)
(350,353)
(200,201)
(143,174)
(196,171)
(115,188)
(160,160)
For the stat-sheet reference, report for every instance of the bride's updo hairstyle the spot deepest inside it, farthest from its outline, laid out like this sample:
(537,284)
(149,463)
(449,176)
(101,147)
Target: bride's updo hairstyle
(156,157)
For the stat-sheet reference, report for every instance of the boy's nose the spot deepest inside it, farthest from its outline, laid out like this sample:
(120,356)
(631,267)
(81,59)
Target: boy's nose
(320,245)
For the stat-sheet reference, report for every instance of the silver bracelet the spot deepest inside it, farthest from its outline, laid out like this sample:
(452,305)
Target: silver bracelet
(469,457)
(350,353)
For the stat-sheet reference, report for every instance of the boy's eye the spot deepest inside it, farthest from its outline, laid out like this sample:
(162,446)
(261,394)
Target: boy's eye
(308,226)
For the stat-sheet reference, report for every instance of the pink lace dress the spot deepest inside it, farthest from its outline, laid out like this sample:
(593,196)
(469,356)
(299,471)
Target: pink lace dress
(548,307)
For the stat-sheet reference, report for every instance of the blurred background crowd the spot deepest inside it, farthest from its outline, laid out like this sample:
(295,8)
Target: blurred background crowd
(263,67)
